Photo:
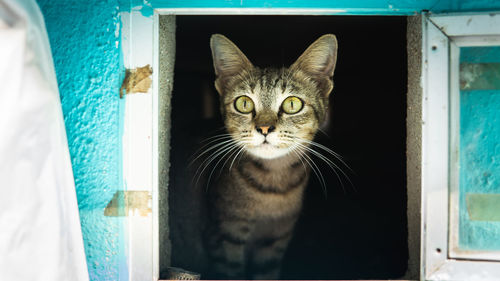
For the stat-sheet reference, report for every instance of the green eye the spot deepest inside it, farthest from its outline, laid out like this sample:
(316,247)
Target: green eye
(244,104)
(292,105)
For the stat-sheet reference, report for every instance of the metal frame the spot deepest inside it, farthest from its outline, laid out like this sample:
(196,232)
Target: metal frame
(442,38)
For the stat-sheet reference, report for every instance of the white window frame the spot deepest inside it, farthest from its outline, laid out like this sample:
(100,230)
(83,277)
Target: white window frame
(140,149)
(140,45)
(443,35)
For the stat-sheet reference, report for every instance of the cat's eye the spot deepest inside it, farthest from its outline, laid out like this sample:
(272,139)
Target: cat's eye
(292,105)
(244,104)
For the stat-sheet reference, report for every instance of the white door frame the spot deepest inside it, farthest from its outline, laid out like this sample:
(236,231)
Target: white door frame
(442,37)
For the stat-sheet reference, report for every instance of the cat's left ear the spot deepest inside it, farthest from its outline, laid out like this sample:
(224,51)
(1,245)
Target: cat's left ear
(229,61)
(319,60)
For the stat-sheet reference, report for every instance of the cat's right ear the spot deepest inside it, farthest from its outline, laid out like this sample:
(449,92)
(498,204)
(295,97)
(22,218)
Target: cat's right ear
(228,60)
(318,62)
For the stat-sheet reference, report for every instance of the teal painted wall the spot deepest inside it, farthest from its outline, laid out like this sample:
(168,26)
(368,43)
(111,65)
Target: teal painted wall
(87,54)
(85,41)
(360,7)
(479,151)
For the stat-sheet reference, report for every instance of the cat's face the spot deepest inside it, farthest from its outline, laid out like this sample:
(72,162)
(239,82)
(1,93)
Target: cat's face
(274,112)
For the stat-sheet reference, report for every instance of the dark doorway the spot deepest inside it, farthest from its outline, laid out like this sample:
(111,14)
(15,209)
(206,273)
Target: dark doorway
(355,231)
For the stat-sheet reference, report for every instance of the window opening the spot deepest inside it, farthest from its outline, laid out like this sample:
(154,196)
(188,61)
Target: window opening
(355,232)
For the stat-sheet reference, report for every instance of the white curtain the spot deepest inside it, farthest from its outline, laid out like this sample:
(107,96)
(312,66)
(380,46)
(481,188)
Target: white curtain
(40,234)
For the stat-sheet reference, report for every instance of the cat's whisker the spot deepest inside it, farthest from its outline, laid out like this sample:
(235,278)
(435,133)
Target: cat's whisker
(209,149)
(241,146)
(323,132)
(239,159)
(208,161)
(194,156)
(238,148)
(212,140)
(225,150)
(330,163)
(293,149)
(322,157)
(315,169)
(303,154)
(227,145)
(337,156)
(235,157)
(228,151)
(216,136)
(333,153)
(222,128)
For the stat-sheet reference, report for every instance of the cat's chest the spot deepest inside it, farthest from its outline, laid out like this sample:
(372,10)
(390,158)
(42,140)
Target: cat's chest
(277,205)
(270,191)
(272,177)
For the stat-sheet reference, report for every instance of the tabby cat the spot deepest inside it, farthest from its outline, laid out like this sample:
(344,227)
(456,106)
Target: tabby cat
(271,116)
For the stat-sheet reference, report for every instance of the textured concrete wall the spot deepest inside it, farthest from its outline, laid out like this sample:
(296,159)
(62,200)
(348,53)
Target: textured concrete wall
(167,60)
(85,46)
(413,143)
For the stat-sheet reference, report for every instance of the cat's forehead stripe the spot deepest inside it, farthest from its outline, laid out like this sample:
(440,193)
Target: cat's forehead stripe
(272,82)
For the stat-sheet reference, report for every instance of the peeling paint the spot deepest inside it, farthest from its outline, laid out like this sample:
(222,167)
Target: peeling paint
(137,80)
(480,76)
(483,207)
(145,7)
(129,203)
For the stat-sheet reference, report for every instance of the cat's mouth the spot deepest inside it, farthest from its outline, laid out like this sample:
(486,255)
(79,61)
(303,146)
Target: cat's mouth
(266,144)
(266,147)
(266,150)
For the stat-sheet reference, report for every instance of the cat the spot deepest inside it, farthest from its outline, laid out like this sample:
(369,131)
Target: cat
(249,212)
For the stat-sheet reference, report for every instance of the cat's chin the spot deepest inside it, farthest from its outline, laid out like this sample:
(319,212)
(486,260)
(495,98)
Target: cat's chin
(268,151)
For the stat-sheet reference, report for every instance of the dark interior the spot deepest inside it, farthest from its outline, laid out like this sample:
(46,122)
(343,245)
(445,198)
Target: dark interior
(356,230)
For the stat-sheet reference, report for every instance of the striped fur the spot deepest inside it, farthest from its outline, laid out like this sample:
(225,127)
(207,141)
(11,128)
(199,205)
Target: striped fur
(252,212)
(252,208)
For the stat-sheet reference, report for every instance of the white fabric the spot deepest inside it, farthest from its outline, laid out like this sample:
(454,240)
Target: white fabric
(40,234)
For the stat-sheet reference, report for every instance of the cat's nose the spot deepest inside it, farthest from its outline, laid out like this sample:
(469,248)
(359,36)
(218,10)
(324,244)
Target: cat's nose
(265,129)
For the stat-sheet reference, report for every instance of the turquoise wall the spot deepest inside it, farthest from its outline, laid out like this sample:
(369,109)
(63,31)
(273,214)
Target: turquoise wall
(85,40)
(87,55)
(479,226)
(360,7)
